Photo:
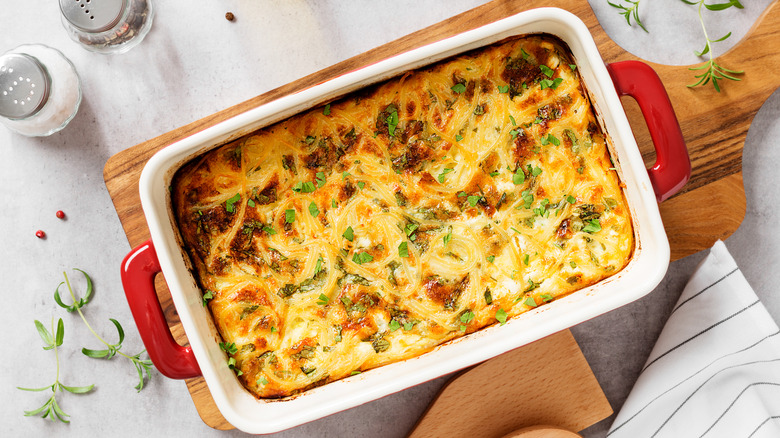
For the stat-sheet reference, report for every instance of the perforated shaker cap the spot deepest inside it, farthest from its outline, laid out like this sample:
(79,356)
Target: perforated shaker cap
(92,15)
(24,86)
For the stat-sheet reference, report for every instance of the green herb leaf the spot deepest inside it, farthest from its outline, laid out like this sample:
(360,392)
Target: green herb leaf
(230,204)
(512,119)
(444,172)
(571,199)
(447,237)
(473,199)
(592,226)
(392,120)
(394,325)
(458,137)
(362,257)
(501,316)
(490,259)
(320,178)
(268,230)
(333,203)
(459,88)
(530,302)
(251,203)
(519,176)
(503,89)
(349,234)
(403,249)
(326,110)
(526,259)
(323,300)
(546,70)
(289,216)
(313,210)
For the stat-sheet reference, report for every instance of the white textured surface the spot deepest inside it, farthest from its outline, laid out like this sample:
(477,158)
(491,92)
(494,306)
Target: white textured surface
(194,63)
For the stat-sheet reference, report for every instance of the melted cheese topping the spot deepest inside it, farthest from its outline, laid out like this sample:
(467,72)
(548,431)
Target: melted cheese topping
(382,225)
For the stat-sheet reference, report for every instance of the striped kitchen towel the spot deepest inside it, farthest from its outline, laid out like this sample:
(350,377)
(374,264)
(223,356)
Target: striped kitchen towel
(715,369)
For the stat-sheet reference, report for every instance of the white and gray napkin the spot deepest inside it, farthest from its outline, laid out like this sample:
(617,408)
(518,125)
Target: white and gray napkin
(715,369)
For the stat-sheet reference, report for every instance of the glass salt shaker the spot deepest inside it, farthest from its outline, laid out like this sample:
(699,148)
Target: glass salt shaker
(40,91)
(107,26)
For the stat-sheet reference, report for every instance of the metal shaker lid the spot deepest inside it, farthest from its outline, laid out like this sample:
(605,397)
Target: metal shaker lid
(24,85)
(93,15)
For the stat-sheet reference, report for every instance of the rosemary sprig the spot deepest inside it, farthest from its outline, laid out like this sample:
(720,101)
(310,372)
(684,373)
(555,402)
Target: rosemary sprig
(712,71)
(51,409)
(629,12)
(142,366)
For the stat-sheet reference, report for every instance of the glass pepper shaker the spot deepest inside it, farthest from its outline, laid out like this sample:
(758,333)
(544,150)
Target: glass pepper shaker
(40,91)
(107,26)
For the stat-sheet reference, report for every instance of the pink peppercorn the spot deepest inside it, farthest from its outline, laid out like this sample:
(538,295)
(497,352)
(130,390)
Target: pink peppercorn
(60,214)
(40,234)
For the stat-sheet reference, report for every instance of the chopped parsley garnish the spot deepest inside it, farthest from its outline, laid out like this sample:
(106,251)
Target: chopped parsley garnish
(289,216)
(549,138)
(262,381)
(318,267)
(573,67)
(479,110)
(361,184)
(320,179)
(229,348)
(309,139)
(519,176)
(526,56)
(251,203)
(501,316)
(515,230)
(526,259)
(458,137)
(494,174)
(546,70)
(488,297)
(592,226)
(304,187)
(326,110)
(546,297)
(362,257)
(473,199)
(459,88)
(530,302)
(503,88)
(333,203)
(394,325)
(230,204)
(467,317)
(535,171)
(409,325)
(313,210)
(268,230)
(403,249)
(571,199)
(573,264)
(490,259)
(323,300)
(409,229)
(447,237)
(527,198)
(207,296)
(550,83)
(344,175)
(512,119)
(349,234)
(515,132)
(444,172)
(462,194)
(392,120)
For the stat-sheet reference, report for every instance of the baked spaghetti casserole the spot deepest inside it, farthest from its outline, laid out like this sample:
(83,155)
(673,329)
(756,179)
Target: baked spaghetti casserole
(397,218)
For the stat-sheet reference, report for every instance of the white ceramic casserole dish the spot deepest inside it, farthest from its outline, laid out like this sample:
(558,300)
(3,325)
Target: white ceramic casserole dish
(163,253)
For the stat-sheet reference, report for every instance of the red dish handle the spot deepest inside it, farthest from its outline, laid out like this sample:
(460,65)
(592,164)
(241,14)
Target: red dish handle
(672,167)
(139,268)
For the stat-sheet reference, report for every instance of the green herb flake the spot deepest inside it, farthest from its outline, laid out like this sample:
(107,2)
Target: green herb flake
(262,381)
(326,110)
(458,137)
(392,121)
(467,317)
(323,300)
(536,171)
(512,119)
(444,172)
(333,203)
(355,373)
(491,258)
(526,259)
(459,88)
(207,296)
(304,187)
(320,179)
(573,67)
(313,210)
(573,264)
(501,316)
(408,326)
(318,266)
(362,257)
(361,184)
(447,237)
(344,175)
(230,204)
(530,302)
(268,230)
(403,249)
(519,176)
(488,297)
(394,325)
(546,70)
(473,199)
(592,226)
(571,199)
(251,203)
(503,89)
(349,234)
(289,215)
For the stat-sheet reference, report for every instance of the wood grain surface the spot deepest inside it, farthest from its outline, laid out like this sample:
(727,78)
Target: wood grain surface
(714,125)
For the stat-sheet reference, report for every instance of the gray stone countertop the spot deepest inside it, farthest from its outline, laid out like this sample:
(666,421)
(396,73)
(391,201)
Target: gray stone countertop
(193,63)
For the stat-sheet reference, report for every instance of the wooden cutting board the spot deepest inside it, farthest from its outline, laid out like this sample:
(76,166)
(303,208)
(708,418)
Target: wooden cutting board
(710,207)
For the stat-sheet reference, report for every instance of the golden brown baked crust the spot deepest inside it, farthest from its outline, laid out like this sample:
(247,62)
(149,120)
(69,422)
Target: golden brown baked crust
(388,222)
